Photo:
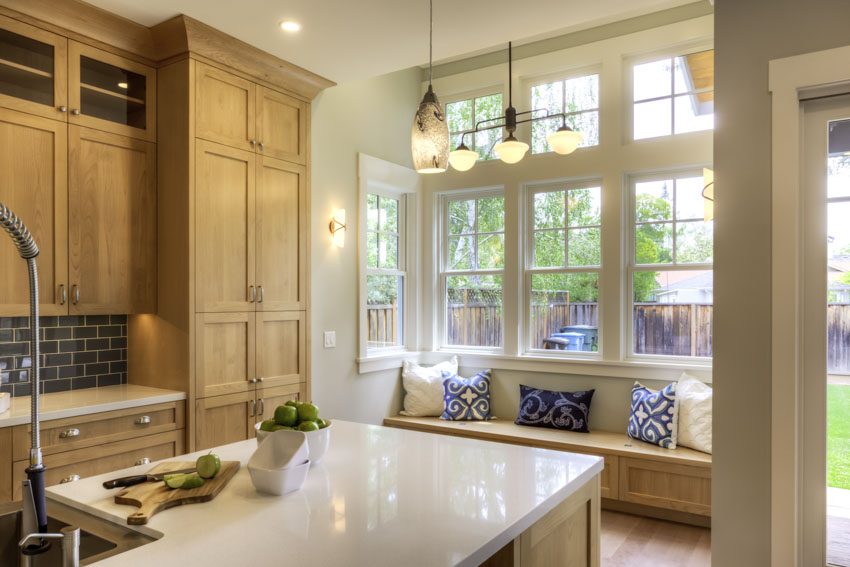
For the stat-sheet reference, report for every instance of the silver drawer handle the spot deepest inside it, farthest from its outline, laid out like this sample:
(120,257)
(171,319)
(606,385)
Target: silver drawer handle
(69,433)
(70,478)
(143,461)
(142,420)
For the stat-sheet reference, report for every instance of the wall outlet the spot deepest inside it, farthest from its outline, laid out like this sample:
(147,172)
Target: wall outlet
(330,339)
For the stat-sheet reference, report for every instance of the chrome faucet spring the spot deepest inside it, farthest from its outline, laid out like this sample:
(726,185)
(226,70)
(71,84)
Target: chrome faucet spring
(24,241)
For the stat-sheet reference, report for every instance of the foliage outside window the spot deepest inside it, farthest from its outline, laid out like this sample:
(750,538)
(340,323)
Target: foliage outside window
(671,268)
(384,270)
(472,267)
(565,261)
(674,95)
(578,98)
(463,115)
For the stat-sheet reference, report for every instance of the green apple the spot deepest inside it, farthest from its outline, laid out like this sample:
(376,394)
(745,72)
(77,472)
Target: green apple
(267,425)
(208,465)
(286,415)
(322,423)
(308,426)
(308,412)
(293,403)
(279,427)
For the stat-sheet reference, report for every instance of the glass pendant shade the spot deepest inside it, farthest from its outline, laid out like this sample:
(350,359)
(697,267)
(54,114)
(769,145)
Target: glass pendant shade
(462,159)
(564,141)
(430,136)
(511,150)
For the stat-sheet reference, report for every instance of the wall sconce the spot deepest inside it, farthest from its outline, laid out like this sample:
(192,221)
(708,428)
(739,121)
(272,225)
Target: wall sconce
(337,227)
(708,194)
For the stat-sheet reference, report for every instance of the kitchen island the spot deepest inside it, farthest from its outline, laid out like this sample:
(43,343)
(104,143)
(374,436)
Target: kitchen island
(379,497)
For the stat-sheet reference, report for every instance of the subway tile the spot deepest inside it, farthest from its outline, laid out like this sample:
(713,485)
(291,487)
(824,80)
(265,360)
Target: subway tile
(72,371)
(95,320)
(57,386)
(109,331)
(7,335)
(4,378)
(118,366)
(97,344)
(7,363)
(58,359)
(10,349)
(85,332)
(49,321)
(22,389)
(72,345)
(18,322)
(95,369)
(108,380)
(18,376)
(57,333)
(118,342)
(7,389)
(83,382)
(109,355)
(71,320)
(23,362)
(85,357)
(124,378)
(50,373)
(49,347)
(119,320)
(22,335)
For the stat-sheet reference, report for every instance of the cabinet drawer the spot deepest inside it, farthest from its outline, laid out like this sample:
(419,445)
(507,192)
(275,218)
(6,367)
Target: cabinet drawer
(103,458)
(665,485)
(86,431)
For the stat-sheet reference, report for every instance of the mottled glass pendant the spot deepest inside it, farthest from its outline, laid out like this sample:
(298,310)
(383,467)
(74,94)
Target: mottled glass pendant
(430,136)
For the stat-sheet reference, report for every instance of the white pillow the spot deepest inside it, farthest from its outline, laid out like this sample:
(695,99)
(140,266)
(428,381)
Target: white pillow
(423,386)
(694,413)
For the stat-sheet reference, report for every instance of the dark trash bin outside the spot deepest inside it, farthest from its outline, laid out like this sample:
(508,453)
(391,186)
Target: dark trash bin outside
(591,335)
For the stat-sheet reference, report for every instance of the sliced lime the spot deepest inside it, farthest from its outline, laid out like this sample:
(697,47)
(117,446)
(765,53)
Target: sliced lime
(174,480)
(192,481)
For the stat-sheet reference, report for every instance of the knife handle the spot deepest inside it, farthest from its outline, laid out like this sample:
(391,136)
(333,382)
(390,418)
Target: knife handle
(125,481)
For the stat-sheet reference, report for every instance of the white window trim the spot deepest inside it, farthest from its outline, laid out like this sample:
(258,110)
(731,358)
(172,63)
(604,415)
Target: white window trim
(443,200)
(630,266)
(473,94)
(527,229)
(629,88)
(381,177)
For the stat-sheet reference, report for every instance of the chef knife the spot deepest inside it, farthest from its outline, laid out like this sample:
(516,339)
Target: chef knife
(140,478)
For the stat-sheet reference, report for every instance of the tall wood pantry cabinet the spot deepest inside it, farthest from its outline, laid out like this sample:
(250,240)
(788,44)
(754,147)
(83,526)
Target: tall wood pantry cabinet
(78,166)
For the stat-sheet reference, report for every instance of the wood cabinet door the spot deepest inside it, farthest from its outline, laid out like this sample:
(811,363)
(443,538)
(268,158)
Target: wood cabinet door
(225,110)
(224,229)
(269,398)
(112,223)
(281,235)
(281,347)
(34,181)
(281,126)
(224,347)
(33,70)
(224,419)
(111,93)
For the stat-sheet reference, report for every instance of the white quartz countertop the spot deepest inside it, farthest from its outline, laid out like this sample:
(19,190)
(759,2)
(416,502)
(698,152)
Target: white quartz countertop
(380,497)
(60,405)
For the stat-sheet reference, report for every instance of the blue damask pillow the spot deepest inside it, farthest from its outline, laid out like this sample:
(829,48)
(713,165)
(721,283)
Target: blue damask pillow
(654,415)
(467,399)
(559,410)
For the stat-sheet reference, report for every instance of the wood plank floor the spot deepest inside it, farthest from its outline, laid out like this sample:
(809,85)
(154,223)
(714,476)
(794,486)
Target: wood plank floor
(838,541)
(634,541)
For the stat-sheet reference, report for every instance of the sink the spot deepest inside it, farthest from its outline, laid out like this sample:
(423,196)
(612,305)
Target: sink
(99,539)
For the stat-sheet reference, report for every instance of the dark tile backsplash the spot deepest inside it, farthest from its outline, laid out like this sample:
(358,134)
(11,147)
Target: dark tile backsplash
(77,352)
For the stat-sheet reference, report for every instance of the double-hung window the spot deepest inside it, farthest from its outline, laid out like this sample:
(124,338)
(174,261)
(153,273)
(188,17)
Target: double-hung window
(673,95)
(472,263)
(670,266)
(563,263)
(578,99)
(385,269)
(463,115)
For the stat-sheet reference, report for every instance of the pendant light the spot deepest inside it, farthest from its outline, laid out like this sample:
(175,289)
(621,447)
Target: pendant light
(564,141)
(430,132)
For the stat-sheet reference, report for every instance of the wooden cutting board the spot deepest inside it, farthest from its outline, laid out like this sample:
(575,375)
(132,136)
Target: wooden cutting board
(151,497)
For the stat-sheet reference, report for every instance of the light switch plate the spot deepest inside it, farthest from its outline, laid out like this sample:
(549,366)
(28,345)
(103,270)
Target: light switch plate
(330,339)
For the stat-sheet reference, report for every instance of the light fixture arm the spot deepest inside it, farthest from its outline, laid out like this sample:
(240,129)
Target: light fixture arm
(504,121)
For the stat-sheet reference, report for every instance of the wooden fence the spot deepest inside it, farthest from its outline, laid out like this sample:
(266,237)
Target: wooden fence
(383,324)
(838,338)
(673,329)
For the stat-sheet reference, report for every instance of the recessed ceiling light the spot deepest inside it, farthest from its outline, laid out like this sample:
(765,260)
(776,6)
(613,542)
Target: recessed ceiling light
(122,85)
(290,26)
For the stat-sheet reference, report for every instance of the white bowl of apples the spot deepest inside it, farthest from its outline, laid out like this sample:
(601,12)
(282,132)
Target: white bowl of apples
(303,417)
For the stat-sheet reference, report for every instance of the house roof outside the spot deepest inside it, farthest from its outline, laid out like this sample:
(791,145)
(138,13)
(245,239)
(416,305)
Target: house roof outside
(686,280)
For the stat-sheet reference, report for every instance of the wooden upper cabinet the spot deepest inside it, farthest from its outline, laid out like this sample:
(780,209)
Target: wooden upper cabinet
(281,348)
(34,177)
(33,70)
(281,126)
(112,223)
(224,229)
(225,346)
(225,110)
(281,235)
(111,93)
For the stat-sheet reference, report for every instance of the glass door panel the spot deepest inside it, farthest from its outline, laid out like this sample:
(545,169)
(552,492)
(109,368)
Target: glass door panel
(112,93)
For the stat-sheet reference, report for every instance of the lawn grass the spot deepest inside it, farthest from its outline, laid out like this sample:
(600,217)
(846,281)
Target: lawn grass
(838,436)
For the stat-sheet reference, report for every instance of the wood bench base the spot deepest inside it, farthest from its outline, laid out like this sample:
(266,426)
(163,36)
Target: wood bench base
(638,478)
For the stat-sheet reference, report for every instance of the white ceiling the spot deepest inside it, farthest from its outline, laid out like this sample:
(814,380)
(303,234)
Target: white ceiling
(346,40)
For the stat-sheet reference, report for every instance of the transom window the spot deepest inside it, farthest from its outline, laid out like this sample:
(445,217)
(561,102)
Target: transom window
(385,272)
(674,95)
(463,115)
(578,98)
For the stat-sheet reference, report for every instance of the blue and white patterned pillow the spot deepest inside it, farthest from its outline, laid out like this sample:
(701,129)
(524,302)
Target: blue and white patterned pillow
(654,415)
(467,399)
(560,410)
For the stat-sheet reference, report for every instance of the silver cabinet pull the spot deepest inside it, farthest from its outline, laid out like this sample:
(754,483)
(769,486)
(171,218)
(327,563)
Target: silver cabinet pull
(143,461)
(262,294)
(76,112)
(253,143)
(69,433)
(262,406)
(142,420)
(70,478)
(253,408)
(253,293)
(253,380)
(63,295)
(261,145)
(261,379)
(75,290)
(63,109)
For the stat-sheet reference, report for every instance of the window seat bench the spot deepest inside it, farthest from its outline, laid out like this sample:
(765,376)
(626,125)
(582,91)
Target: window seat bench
(638,477)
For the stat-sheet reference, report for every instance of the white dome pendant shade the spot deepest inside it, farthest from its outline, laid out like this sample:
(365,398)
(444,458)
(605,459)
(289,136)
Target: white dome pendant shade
(429,137)
(462,159)
(565,140)
(511,150)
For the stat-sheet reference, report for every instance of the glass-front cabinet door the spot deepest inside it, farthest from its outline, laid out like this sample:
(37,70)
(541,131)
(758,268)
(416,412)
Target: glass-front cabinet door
(111,93)
(33,70)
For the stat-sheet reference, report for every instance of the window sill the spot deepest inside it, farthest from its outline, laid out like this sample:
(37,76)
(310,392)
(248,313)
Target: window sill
(385,360)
